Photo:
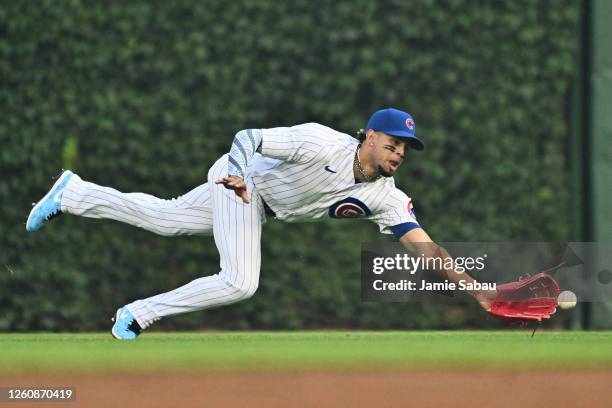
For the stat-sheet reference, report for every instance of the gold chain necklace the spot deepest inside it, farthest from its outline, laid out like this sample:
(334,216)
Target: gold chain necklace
(366,178)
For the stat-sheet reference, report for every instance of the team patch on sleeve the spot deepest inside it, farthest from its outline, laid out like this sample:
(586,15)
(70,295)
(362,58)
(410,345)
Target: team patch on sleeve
(410,209)
(349,208)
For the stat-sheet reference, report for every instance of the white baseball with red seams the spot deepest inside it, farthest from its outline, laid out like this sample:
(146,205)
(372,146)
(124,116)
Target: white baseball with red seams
(567,300)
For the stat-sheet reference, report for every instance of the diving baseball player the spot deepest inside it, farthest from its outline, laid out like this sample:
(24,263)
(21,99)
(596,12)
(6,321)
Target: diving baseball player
(307,172)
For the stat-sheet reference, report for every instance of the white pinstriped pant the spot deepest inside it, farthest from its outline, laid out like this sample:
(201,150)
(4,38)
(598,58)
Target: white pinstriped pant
(209,208)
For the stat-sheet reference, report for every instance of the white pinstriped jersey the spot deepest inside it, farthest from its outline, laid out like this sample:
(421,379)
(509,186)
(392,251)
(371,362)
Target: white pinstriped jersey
(305,173)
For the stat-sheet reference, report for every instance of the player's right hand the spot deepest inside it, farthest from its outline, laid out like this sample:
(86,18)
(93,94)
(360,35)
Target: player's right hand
(238,185)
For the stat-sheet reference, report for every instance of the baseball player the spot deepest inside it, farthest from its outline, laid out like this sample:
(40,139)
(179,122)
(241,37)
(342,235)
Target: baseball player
(307,172)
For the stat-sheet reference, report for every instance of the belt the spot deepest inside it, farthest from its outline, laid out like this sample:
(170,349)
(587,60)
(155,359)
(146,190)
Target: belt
(269,212)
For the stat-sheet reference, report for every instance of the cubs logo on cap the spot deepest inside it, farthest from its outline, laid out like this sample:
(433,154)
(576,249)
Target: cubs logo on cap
(410,123)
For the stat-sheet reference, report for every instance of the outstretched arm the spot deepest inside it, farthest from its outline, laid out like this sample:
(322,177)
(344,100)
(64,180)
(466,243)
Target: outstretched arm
(418,242)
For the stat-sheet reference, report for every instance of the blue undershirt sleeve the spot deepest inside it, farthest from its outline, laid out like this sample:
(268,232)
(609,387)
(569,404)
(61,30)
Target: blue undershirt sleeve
(400,229)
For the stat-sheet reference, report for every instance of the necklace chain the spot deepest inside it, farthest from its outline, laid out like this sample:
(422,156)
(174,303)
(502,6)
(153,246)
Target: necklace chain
(360,168)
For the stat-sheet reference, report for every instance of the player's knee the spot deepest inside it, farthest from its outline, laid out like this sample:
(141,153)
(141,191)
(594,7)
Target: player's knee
(242,288)
(245,291)
(242,284)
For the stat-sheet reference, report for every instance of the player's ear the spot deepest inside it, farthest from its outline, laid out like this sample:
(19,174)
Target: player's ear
(371,136)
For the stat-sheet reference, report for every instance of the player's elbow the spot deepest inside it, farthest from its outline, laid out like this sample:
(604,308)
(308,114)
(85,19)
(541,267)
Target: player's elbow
(241,133)
(244,134)
(249,139)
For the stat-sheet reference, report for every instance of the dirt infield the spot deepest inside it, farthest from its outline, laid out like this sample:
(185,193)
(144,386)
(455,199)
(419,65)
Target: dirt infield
(308,389)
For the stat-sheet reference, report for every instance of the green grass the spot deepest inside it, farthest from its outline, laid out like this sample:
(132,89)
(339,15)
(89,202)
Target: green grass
(36,353)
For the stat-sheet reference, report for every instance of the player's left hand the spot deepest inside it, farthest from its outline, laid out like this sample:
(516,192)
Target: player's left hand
(238,185)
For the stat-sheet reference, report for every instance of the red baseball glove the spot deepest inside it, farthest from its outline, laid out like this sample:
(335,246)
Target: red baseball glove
(530,298)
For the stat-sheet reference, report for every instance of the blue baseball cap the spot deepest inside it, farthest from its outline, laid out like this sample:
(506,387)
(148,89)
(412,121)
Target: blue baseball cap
(395,122)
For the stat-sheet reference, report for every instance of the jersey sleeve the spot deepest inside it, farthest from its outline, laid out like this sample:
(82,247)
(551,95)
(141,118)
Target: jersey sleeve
(299,143)
(396,215)
(245,144)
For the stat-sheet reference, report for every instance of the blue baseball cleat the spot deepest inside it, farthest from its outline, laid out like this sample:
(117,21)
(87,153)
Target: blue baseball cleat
(51,204)
(126,327)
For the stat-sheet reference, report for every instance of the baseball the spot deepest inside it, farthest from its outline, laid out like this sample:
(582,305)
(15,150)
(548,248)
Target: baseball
(567,299)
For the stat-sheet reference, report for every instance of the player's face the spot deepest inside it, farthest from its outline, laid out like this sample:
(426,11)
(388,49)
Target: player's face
(388,153)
